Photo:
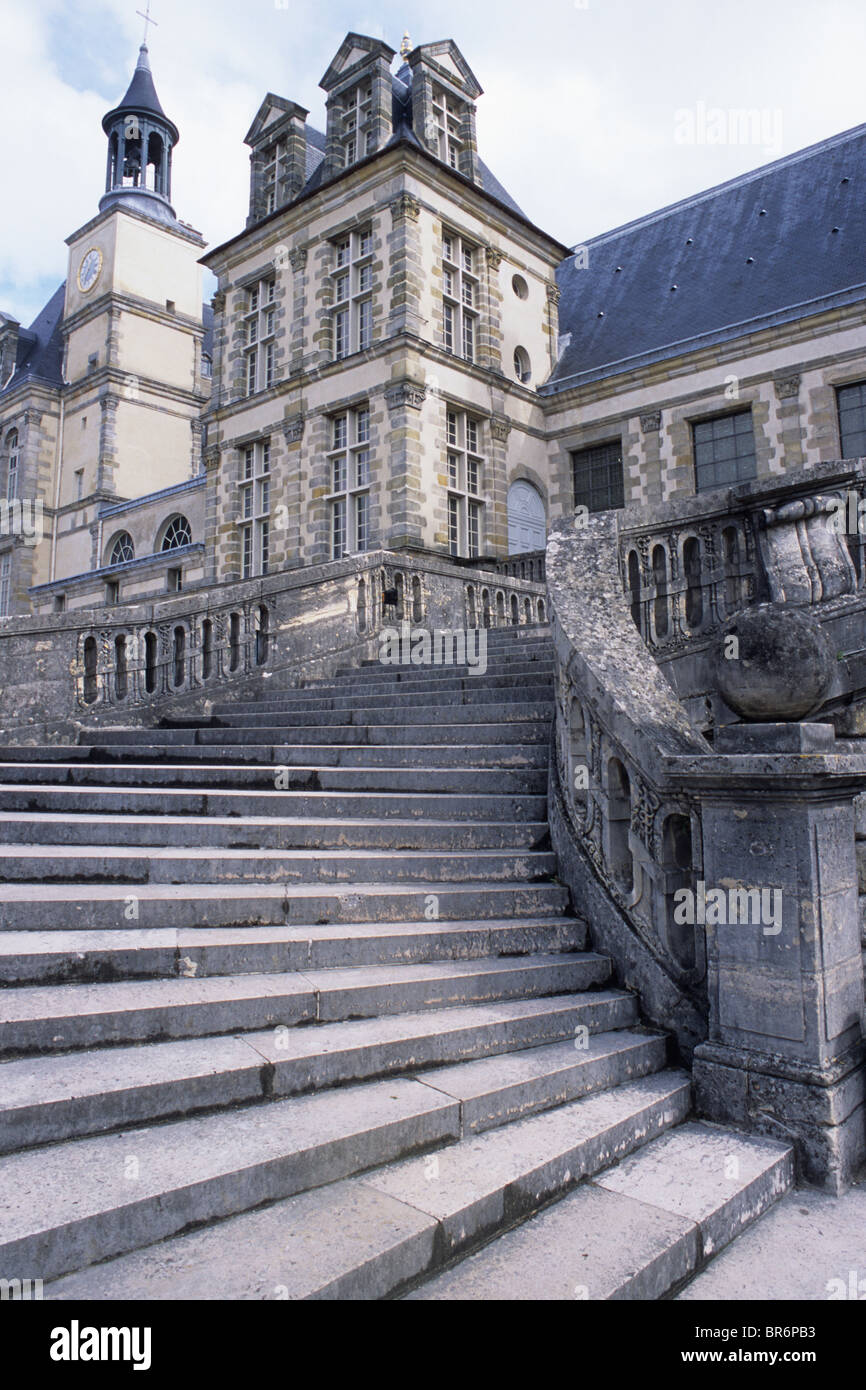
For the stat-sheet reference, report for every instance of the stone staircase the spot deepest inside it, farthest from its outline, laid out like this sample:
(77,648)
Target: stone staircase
(294,1006)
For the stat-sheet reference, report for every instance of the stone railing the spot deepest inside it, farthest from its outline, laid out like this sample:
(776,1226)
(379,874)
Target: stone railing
(530,565)
(687,566)
(130,664)
(648,818)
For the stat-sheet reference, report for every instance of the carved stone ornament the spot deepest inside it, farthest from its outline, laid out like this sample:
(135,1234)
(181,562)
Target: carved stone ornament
(406,205)
(406,393)
(293,429)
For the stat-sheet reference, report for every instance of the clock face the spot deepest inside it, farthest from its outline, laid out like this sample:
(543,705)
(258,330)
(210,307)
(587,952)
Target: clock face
(88,271)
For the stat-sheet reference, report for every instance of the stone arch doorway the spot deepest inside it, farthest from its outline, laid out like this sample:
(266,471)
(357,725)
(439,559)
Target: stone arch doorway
(527,522)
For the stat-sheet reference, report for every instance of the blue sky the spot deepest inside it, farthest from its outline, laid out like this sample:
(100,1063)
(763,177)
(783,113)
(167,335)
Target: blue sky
(585,117)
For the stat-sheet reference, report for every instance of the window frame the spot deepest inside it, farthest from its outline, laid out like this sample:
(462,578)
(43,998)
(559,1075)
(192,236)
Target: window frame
(350,482)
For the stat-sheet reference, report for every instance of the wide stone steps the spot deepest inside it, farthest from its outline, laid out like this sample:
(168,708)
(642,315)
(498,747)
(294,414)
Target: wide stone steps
(508,1059)
(196,864)
(504,755)
(299,972)
(56,1018)
(637,1231)
(69,1205)
(34,957)
(513,677)
(351,699)
(65,906)
(222,802)
(469,735)
(532,780)
(45,828)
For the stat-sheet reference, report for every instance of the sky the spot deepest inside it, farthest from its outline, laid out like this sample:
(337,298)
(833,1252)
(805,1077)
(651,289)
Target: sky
(594,111)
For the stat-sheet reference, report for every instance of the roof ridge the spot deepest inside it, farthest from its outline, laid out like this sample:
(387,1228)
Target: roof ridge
(738,181)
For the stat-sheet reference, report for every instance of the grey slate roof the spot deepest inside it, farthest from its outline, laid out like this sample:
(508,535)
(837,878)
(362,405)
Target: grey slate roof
(40,347)
(141,93)
(781,216)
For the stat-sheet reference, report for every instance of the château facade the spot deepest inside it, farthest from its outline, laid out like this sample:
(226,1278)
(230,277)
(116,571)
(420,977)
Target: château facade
(398,357)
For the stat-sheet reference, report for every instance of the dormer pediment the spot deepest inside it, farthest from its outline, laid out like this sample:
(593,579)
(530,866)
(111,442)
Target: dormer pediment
(354,53)
(272,117)
(446,61)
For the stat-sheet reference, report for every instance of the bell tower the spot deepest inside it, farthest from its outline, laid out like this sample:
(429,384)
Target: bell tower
(141,139)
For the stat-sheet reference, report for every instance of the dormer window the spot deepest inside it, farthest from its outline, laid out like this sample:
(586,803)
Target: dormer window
(357,132)
(447,126)
(271,174)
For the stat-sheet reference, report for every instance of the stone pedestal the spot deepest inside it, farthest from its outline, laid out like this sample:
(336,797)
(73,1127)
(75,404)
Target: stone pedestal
(784,968)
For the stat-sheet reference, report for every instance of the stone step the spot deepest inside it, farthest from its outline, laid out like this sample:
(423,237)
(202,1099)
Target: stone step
(46,1099)
(392,711)
(504,664)
(536,679)
(468,735)
(502,755)
(43,864)
(98,906)
(477,694)
(33,957)
(466,780)
(498,653)
(55,1018)
(46,828)
(360,1239)
(226,776)
(637,1231)
(318,805)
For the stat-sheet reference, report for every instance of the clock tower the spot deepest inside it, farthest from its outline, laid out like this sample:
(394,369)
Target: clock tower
(132,330)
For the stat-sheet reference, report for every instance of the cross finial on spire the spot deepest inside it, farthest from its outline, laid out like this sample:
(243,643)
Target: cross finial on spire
(406,45)
(147,20)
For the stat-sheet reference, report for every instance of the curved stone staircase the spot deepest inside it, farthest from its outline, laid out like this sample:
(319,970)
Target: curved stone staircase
(295,1007)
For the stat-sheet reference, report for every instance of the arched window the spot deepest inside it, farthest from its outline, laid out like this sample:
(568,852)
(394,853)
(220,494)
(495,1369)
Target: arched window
(122,549)
(694,594)
(660,579)
(12,465)
(176,533)
(634,587)
(619,818)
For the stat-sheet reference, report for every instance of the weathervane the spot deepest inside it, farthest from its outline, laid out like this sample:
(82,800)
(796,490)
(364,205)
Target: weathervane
(147,20)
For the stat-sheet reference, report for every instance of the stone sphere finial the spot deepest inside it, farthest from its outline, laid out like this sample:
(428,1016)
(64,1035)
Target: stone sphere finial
(773,663)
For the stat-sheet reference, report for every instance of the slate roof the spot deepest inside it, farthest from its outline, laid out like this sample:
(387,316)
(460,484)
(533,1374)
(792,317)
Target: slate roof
(758,250)
(40,347)
(141,93)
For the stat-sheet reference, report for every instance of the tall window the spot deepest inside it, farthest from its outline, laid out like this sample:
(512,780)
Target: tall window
(5,584)
(357,128)
(459,296)
(272,157)
(597,474)
(724,450)
(259,326)
(12,465)
(255,508)
(349,463)
(447,119)
(851,401)
(352,278)
(465,484)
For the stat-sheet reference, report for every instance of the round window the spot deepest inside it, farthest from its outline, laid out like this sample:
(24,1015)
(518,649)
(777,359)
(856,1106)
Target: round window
(520,287)
(522,368)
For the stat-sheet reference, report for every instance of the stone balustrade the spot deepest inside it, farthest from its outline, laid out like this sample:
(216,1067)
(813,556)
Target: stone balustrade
(129,664)
(649,816)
